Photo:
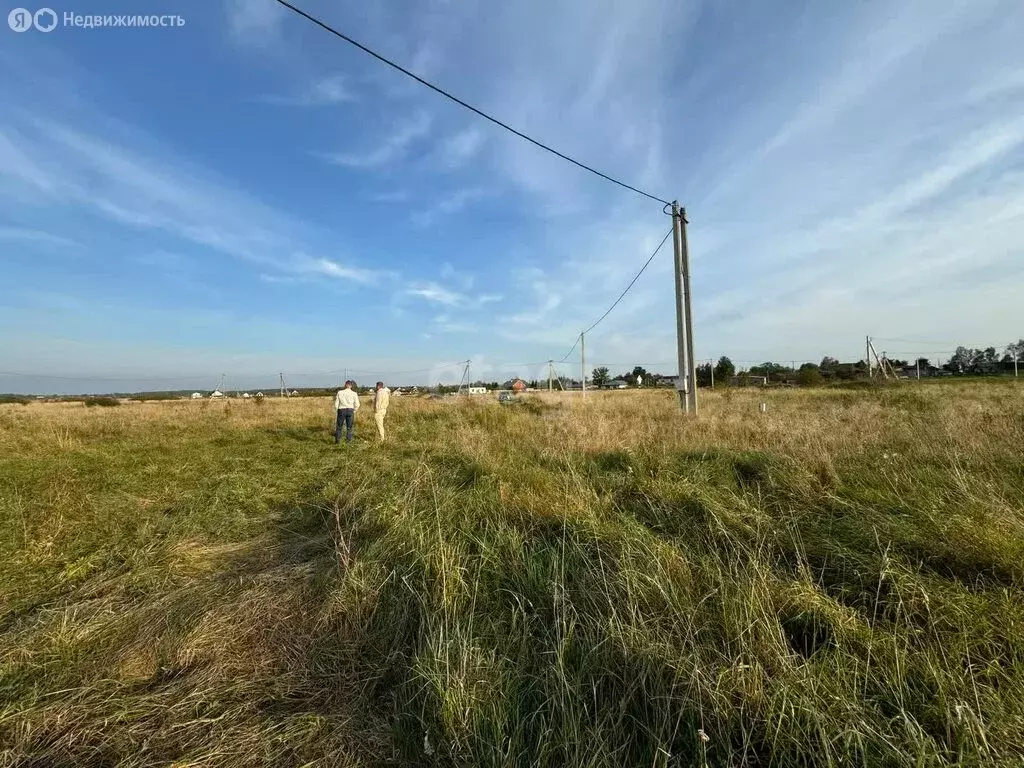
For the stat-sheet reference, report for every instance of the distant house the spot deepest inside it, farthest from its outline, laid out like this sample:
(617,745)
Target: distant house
(259,394)
(518,385)
(478,390)
(197,396)
(216,393)
(246,395)
(615,384)
(294,393)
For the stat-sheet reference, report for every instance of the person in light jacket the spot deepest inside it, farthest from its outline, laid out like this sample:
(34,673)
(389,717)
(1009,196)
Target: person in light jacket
(381,399)
(346,402)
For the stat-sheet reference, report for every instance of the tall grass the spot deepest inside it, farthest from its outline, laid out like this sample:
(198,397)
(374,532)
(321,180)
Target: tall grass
(834,582)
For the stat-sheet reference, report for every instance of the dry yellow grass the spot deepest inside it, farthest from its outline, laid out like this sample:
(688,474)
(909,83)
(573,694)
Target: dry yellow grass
(556,582)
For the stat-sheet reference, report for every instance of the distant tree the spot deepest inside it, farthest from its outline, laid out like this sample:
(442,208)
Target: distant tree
(1016,351)
(639,374)
(704,375)
(962,360)
(923,364)
(724,370)
(599,376)
(828,364)
(809,375)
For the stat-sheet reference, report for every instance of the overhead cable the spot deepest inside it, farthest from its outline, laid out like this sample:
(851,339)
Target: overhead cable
(464,104)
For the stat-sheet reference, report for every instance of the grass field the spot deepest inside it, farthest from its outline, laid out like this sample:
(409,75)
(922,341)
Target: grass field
(838,581)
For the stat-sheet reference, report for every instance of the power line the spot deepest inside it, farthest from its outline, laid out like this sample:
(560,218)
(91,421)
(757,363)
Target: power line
(621,295)
(462,103)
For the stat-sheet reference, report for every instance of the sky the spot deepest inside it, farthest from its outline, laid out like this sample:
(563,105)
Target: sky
(246,194)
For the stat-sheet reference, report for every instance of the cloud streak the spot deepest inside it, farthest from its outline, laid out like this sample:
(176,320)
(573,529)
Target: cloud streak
(392,149)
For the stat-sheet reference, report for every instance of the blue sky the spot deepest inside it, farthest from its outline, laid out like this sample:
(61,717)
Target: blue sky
(246,194)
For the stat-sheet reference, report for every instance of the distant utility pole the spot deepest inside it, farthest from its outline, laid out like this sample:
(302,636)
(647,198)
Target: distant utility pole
(867,356)
(711,365)
(550,362)
(281,377)
(583,365)
(918,369)
(464,380)
(686,383)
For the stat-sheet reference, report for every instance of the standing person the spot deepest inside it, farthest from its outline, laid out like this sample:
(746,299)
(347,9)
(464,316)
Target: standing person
(347,403)
(381,398)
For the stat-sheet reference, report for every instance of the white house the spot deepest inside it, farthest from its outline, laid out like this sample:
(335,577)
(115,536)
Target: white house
(197,396)
(478,390)
(259,394)
(216,393)
(246,395)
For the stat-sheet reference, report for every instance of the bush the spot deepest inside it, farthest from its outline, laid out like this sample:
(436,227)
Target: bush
(809,376)
(102,402)
(14,400)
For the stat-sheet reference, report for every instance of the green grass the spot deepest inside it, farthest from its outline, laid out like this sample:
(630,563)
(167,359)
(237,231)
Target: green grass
(835,582)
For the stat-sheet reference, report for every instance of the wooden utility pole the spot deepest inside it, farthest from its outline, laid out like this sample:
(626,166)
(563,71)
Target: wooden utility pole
(711,365)
(867,356)
(686,383)
(918,369)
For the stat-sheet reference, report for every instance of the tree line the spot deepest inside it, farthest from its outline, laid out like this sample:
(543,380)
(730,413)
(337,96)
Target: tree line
(964,362)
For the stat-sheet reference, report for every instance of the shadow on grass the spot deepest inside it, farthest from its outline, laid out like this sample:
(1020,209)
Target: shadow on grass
(249,662)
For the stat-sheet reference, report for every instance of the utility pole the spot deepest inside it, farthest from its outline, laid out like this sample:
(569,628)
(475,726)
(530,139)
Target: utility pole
(918,369)
(281,378)
(867,356)
(686,383)
(583,364)
(711,365)
(549,375)
(464,379)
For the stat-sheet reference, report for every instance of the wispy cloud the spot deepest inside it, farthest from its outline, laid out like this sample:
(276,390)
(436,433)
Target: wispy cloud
(447,324)
(18,234)
(447,204)
(438,294)
(324,91)
(157,192)
(340,271)
(464,279)
(393,147)
(254,20)
(458,149)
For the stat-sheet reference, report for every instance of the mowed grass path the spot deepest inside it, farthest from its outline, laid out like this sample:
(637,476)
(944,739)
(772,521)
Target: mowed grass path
(837,581)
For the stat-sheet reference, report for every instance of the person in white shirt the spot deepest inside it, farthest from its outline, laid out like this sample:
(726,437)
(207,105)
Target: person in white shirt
(346,402)
(381,398)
